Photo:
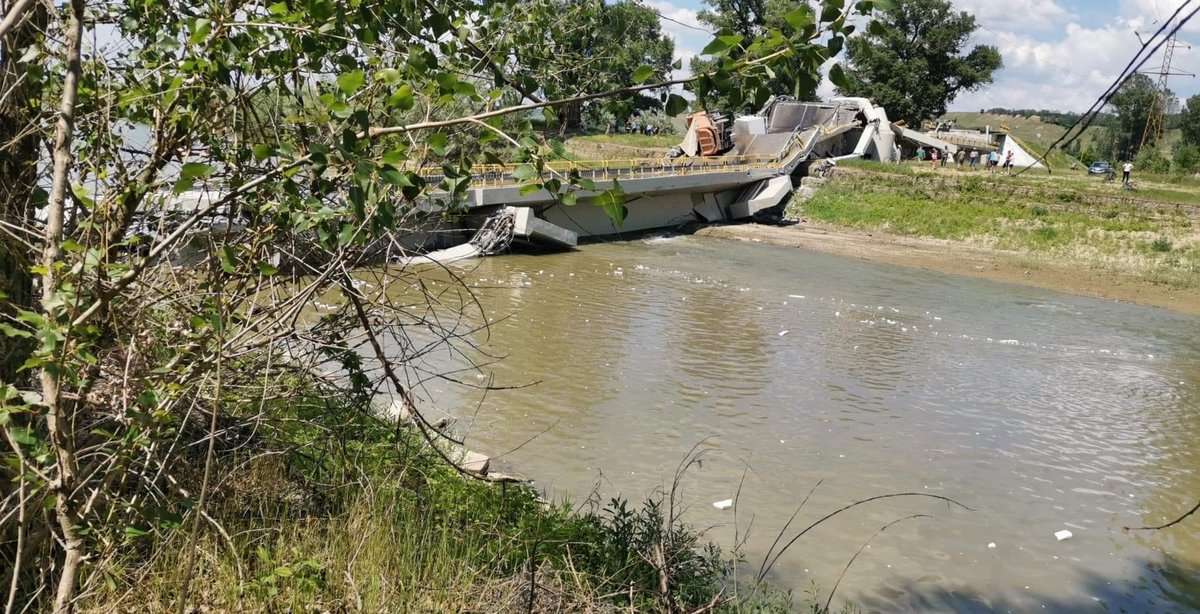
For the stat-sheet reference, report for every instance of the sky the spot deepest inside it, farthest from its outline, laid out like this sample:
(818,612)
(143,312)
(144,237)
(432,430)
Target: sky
(1058,54)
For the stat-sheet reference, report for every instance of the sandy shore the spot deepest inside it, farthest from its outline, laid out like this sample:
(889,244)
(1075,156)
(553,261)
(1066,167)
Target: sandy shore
(959,259)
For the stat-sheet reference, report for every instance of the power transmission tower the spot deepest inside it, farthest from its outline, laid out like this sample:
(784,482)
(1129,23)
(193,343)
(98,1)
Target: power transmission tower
(1156,119)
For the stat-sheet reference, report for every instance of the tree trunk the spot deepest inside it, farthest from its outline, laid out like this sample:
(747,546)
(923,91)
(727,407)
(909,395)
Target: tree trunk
(58,423)
(19,153)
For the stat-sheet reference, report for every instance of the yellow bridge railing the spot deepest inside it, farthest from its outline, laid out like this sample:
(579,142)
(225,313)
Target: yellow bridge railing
(500,175)
(496,175)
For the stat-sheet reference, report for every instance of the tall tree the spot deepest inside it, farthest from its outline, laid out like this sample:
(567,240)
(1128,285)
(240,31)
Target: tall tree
(752,19)
(1133,103)
(1190,121)
(911,60)
(589,46)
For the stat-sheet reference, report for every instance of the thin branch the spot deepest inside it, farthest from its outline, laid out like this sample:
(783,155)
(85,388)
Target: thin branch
(15,15)
(1169,524)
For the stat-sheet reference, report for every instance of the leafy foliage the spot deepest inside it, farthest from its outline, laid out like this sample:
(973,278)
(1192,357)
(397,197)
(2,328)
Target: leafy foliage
(1190,121)
(754,20)
(223,175)
(913,61)
(1133,103)
(571,47)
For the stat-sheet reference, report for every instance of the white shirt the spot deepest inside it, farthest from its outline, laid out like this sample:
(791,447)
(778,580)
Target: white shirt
(1128,167)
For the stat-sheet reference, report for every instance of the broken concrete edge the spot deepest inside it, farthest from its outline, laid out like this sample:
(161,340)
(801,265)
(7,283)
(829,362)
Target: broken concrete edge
(469,461)
(528,225)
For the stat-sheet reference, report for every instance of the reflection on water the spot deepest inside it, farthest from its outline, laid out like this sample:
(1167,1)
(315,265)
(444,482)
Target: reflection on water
(1040,411)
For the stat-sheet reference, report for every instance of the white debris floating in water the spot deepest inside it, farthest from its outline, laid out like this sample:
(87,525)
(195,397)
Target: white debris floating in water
(1063,534)
(991,545)
(783,332)
(724,504)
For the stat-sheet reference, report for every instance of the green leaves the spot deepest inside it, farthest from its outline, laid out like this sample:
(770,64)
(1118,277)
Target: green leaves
(351,81)
(402,99)
(799,18)
(612,201)
(438,143)
(227,259)
(200,30)
(676,104)
(722,44)
(525,172)
(838,76)
(642,74)
(388,76)
(189,173)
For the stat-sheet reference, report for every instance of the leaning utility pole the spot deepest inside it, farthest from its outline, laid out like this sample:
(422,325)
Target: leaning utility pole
(1156,119)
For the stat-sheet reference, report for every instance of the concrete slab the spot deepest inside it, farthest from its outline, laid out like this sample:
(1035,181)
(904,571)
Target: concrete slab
(527,224)
(765,195)
(475,462)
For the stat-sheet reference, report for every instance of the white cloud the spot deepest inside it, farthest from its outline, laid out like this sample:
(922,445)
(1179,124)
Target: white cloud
(1053,58)
(1068,72)
(1015,14)
(683,26)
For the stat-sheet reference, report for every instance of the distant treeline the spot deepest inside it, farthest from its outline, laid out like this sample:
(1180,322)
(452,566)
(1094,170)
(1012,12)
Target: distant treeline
(1066,119)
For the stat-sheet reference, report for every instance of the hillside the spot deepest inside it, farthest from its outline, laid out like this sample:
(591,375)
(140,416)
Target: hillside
(1031,131)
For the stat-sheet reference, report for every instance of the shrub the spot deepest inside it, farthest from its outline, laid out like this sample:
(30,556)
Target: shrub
(1161,245)
(1187,159)
(1152,160)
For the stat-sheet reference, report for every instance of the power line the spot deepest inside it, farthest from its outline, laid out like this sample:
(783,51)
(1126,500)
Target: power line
(1130,69)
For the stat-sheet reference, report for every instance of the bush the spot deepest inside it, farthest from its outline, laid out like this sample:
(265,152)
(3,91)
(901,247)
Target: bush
(1161,245)
(1152,160)
(1187,159)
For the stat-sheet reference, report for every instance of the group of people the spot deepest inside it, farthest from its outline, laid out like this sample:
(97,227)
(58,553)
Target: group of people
(971,159)
(632,126)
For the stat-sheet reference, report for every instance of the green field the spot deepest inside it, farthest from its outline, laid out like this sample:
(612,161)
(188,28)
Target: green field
(1068,220)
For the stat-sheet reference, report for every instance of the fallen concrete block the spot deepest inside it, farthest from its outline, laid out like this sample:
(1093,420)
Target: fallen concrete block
(475,462)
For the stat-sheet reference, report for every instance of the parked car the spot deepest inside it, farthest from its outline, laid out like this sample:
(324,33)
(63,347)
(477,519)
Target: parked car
(1100,168)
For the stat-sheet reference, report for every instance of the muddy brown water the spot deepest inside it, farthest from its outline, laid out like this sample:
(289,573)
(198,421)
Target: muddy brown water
(1040,411)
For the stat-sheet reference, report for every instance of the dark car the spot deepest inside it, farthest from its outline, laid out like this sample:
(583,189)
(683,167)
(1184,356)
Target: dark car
(1100,168)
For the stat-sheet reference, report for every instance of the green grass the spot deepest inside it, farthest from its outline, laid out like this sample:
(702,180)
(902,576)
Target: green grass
(1052,222)
(664,141)
(332,509)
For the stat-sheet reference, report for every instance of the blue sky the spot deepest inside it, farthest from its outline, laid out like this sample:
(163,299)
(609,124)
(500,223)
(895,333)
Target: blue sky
(1058,54)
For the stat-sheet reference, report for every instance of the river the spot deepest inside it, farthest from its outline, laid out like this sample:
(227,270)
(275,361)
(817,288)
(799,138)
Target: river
(1040,411)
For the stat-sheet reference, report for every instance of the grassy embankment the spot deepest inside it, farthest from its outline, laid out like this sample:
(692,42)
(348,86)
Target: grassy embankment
(1065,220)
(616,146)
(1037,135)
(327,508)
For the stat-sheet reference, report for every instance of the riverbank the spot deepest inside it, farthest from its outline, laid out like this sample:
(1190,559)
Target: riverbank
(1044,232)
(959,259)
(326,507)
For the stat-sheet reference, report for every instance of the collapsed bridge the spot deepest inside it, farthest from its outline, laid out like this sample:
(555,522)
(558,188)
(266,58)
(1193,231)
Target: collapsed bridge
(753,174)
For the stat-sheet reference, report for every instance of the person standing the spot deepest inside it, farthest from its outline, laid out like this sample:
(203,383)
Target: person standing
(920,154)
(974,158)
(1008,162)
(933,157)
(945,155)
(1127,172)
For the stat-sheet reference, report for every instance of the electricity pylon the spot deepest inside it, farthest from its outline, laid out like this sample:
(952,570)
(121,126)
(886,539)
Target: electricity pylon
(1155,120)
